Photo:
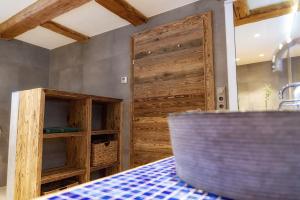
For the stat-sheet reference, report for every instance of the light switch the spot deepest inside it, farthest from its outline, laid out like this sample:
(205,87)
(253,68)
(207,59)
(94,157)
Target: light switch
(124,80)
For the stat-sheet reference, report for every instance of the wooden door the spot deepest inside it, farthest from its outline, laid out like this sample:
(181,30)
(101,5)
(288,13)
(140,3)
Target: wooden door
(172,72)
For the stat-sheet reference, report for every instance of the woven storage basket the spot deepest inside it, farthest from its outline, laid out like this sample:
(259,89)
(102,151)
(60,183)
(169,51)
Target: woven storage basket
(104,153)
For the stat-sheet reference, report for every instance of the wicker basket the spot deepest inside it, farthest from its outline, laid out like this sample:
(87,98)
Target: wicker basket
(104,153)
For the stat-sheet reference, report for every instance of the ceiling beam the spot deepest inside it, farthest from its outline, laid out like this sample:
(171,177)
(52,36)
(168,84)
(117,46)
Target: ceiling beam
(241,9)
(124,10)
(36,14)
(264,13)
(58,28)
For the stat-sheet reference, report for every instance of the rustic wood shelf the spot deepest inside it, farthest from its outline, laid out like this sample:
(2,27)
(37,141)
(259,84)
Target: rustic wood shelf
(40,108)
(96,168)
(63,135)
(105,132)
(60,173)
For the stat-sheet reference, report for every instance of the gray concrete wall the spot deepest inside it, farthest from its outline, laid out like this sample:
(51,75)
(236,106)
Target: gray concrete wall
(253,79)
(22,66)
(95,67)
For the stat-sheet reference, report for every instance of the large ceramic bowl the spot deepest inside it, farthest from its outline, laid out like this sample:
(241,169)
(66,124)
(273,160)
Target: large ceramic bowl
(252,155)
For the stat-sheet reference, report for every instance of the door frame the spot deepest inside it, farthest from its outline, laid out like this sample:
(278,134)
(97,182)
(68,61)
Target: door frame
(231,56)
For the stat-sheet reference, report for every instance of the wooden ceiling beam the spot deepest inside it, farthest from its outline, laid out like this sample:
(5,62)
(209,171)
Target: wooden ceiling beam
(58,28)
(124,10)
(264,13)
(36,14)
(241,9)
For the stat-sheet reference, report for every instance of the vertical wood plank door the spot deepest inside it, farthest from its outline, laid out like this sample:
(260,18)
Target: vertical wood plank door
(172,72)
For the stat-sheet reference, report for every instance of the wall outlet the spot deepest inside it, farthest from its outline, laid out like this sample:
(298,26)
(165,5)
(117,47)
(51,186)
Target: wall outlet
(221,98)
(124,79)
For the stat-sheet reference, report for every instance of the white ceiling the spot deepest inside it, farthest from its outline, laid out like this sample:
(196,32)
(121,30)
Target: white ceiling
(42,37)
(271,32)
(90,19)
(10,7)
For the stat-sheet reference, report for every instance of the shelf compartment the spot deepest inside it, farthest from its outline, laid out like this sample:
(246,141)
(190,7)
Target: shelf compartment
(63,135)
(57,186)
(100,167)
(60,173)
(105,132)
(63,116)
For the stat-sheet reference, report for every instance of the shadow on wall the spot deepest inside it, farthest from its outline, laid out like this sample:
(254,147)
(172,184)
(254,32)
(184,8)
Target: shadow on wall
(4,134)
(3,158)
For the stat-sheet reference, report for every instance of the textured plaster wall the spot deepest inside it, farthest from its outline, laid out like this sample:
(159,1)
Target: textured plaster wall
(22,66)
(96,66)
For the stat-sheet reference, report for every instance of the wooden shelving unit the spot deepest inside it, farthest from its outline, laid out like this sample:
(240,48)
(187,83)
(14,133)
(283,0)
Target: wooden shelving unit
(96,118)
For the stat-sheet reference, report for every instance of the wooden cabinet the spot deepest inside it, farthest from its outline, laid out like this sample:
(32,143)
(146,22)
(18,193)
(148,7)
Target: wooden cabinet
(40,162)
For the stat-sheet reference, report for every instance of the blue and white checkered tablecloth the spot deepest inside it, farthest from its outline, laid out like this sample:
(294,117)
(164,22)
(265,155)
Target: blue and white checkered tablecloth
(156,181)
